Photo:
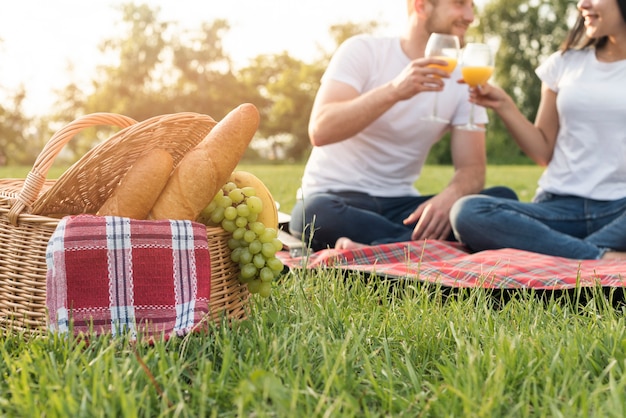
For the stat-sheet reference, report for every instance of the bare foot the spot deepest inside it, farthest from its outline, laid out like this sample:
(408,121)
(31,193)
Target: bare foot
(614,255)
(344,243)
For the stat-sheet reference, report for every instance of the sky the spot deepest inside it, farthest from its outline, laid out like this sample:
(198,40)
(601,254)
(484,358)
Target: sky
(40,39)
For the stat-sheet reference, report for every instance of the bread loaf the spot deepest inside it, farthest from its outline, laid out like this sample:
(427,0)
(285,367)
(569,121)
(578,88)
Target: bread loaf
(207,167)
(140,187)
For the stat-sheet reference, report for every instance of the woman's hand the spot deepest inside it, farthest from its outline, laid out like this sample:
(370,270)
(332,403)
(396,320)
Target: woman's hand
(488,95)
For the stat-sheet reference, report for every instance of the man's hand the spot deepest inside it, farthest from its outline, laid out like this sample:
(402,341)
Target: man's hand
(432,216)
(418,77)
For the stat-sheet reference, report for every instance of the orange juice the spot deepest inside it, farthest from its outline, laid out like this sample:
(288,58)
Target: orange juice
(475,76)
(447,68)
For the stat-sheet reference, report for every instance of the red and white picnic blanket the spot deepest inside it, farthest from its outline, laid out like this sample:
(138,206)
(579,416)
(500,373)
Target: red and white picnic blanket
(120,275)
(451,265)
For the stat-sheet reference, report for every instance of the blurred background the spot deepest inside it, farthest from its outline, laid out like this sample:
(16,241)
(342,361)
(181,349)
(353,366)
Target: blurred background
(60,59)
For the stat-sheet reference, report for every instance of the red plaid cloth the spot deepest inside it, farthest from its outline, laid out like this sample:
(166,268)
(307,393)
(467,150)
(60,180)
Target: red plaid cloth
(449,264)
(123,275)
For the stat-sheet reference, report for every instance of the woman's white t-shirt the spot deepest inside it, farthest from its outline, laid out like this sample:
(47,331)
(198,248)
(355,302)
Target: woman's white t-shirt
(387,157)
(589,157)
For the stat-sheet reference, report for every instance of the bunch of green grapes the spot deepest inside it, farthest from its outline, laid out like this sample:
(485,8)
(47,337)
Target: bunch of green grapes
(253,244)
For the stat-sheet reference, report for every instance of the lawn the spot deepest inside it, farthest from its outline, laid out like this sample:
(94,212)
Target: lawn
(327,345)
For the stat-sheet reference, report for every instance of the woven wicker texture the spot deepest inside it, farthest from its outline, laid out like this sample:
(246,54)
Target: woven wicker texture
(30,210)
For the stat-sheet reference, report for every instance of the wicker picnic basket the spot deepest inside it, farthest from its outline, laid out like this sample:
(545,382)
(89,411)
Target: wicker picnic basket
(30,210)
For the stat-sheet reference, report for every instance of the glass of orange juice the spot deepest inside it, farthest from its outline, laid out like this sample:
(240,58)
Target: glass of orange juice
(446,48)
(477,63)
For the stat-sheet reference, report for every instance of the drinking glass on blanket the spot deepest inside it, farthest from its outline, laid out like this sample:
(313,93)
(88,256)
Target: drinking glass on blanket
(444,47)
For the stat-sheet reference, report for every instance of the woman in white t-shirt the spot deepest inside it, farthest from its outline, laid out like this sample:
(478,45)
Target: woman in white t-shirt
(579,210)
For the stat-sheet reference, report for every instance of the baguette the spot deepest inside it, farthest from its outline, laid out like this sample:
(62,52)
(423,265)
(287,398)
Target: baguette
(207,167)
(140,187)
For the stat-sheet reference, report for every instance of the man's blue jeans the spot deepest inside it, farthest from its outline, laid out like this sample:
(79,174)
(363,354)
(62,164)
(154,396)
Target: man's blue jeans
(325,217)
(565,226)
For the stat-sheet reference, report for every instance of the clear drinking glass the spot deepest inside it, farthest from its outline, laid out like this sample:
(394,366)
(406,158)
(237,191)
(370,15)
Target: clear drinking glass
(477,64)
(445,47)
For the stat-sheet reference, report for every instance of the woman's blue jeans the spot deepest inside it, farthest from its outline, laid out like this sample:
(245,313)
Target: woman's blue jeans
(323,218)
(565,226)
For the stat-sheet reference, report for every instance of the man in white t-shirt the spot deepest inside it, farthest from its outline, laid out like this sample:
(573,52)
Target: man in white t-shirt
(371,142)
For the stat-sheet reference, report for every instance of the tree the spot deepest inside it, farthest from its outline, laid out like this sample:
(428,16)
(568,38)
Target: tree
(289,87)
(17,133)
(160,68)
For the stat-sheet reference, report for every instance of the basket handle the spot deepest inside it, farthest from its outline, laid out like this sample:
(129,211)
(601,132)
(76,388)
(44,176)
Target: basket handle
(37,176)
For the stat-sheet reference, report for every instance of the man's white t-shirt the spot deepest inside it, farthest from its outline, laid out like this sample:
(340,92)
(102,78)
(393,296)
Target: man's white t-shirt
(589,158)
(386,158)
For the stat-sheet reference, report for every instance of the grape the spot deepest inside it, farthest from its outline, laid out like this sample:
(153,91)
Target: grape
(209,209)
(243,210)
(266,274)
(246,256)
(238,233)
(235,255)
(259,261)
(229,186)
(268,235)
(224,201)
(241,221)
(248,191)
(255,204)
(254,286)
(258,228)
(236,195)
(253,245)
(268,250)
(265,288)
(229,226)
(218,215)
(278,244)
(249,236)
(230,213)
(248,271)
(275,264)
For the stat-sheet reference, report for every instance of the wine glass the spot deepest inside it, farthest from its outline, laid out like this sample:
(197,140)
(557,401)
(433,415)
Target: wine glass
(477,63)
(444,47)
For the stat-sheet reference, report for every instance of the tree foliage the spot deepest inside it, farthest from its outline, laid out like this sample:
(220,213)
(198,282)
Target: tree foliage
(16,132)
(159,68)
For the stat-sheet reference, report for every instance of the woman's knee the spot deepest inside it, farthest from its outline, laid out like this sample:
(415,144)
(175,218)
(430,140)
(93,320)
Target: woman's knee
(465,213)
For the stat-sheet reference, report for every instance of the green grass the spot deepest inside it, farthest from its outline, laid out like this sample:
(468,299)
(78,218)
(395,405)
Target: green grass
(324,345)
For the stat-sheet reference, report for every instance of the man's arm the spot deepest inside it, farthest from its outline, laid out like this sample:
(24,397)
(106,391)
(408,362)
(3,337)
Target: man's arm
(468,156)
(340,112)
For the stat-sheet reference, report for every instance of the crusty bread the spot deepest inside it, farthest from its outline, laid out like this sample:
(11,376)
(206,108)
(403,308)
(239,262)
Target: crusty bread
(140,187)
(207,167)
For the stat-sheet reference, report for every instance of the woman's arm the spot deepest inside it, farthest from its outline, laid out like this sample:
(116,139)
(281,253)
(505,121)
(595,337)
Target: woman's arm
(536,140)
